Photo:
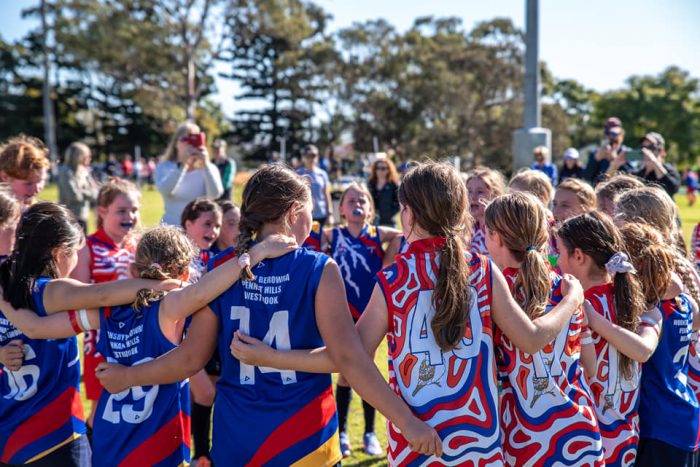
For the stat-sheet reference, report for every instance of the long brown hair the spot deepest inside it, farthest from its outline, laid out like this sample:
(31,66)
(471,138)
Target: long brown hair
(392,175)
(164,252)
(583,191)
(521,222)
(438,199)
(269,194)
(597,237)
(653,260)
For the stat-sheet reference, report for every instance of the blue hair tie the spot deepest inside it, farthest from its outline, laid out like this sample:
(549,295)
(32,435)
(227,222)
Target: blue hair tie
(531,248)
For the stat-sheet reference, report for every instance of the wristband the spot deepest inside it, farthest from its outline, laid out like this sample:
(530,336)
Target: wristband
(84,321)
(74,322)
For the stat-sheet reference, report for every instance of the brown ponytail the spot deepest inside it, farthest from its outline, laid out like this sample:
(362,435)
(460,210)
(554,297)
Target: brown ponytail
(269,194)
(438,199)
(521,221)
(597,237)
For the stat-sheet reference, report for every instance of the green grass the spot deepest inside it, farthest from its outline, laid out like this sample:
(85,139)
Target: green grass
(151,211)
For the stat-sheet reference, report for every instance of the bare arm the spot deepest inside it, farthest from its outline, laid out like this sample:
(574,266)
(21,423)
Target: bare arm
(387,234)
(391,251)
(70,294)
(181,303)
(184,361)
(640,345)
(531,336)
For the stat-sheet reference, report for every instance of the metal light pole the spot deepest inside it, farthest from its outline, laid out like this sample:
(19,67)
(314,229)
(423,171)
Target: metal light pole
(525,139)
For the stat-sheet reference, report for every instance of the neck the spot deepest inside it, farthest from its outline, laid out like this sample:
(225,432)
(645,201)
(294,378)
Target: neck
(271,229)
(594,278)
(505,261)
(355,228)
(116,238)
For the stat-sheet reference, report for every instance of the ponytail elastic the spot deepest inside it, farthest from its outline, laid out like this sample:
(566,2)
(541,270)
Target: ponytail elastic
(619,263)
(531,248)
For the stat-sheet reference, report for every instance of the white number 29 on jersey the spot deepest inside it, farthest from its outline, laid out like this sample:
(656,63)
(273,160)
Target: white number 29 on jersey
(116,412)
(278,332)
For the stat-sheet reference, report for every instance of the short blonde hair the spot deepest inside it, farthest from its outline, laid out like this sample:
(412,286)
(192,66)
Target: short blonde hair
(493,179)
(583,191)
(534,182)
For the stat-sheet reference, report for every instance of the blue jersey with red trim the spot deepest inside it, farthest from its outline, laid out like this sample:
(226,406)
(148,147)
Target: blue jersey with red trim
(264,415)
(547,415)
(665,381)
(359,259)
(315,239)
(616,396)
(453,391)
(40,407)
(143,425)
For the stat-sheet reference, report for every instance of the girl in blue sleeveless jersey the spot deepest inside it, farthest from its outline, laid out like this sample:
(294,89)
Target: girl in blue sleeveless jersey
(357,248)
(440,328)
(669,437)
(41,416)
(295,301)
(592,249)
(148,425)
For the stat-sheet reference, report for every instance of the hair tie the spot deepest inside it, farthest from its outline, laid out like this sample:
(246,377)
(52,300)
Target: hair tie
(619,263)
(531,248)
(156,266)
(244,260)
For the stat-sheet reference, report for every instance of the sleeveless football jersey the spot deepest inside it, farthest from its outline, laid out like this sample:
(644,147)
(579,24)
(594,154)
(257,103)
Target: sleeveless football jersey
(615,397)
(143,425)
(108,262)
(264,415)
(665,381)
(478,243)
(455,392)
(694,365)
(198,266)
(359,260)
(40,407)
(315,239)
(547,415)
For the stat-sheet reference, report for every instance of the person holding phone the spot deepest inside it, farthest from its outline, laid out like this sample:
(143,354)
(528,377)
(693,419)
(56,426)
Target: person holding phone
(653,169)
(611,147)
(185,172)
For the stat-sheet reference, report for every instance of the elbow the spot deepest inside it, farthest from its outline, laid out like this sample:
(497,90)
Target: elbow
(643,355)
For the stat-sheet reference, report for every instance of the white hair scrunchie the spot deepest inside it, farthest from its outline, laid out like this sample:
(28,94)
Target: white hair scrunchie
(619,262)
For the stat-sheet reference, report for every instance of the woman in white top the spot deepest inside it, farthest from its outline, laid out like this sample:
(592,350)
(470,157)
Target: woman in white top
(185,173)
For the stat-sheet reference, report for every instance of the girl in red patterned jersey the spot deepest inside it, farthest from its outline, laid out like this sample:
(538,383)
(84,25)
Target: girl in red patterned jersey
(107,256)
(437,305)
(547,415)
(483,185)
(592,250)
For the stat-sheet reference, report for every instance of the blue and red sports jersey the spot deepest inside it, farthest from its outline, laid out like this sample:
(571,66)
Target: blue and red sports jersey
(453,391)
(315,239)
(108,262)
(264,415)
(615,396)
(547,415)
(359,260)
(665,381)
(40,407)
(143,425)
(478,243)
(199,264)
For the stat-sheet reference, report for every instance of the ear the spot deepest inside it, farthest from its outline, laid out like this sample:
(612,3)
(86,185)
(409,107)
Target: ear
(188,225)
(293,213)
(579,256)
(101,211)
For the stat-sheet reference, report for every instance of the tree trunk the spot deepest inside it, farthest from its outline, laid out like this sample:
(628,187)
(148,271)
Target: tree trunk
(49,122)
(191,100)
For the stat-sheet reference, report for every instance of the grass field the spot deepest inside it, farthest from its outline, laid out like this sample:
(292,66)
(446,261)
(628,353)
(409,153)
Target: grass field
(151,211)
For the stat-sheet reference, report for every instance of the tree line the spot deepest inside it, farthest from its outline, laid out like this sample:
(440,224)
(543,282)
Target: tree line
(124,73)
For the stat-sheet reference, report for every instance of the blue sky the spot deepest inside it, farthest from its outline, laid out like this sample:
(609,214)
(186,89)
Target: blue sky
(598,43)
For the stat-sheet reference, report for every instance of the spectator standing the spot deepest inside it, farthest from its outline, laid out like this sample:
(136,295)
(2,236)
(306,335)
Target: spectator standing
(690,180)
(226,166)
(653,170)
(185,173)
(76,187)
(320,185)
(542,163)
(384,186)
(572,167)
(127,167)
(599,162)
(112,166)
(151,172)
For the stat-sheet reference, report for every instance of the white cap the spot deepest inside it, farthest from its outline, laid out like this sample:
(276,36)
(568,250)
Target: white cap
(571,154)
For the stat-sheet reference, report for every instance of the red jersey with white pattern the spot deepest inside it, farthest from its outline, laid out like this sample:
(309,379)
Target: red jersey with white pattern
(108,262)
(695,246)
(615,396)
(478,243)
(694,364)
(547,415)
(453,391)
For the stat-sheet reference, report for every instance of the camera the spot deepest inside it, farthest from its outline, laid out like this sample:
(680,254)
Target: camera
(197,140)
